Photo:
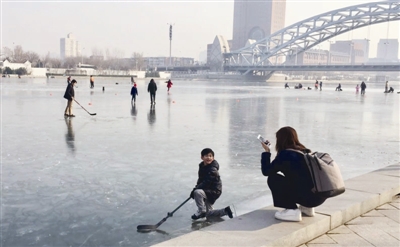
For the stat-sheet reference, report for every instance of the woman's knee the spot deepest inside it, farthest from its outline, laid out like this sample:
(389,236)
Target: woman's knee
(275,180)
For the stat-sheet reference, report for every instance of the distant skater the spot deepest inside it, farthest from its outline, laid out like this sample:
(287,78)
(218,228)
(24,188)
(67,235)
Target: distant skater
(134,92)
(320,86)
(169,84)
(386,87)
(69,79)
(363,87)
(298,86)
(132,80)
(287,85)
(316,85)
(339,88)
(391,90)
(69,95)
(91,82)
(357,88)
(152,88)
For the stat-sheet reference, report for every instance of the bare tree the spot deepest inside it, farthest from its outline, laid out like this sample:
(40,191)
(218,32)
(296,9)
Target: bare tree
(97,58)
(46,59)
(138,60)
(57,63)
(32,57)
(71,62)
(19,54)
(97,52)
(7,53)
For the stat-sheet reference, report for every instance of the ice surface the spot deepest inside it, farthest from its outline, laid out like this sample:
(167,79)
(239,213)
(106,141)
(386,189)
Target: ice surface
(90,180)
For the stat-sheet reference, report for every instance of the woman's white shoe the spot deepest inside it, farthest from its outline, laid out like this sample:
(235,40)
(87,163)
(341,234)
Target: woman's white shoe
(289,215)
(307,211)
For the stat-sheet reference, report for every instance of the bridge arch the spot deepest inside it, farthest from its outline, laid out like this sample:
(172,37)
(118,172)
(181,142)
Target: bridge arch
(308,33)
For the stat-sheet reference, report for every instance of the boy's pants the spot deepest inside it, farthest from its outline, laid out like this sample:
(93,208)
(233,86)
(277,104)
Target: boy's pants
(68,109)
(204,206)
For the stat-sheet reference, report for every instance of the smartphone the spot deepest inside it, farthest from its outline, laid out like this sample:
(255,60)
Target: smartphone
(259,137)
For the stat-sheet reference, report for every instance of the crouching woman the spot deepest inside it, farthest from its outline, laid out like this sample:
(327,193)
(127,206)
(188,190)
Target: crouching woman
(288,177)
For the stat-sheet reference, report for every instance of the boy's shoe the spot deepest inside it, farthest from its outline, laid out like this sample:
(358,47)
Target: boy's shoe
(307,211)
(198,215)
(289,215)
(228,211)
(66,115)
(71,115)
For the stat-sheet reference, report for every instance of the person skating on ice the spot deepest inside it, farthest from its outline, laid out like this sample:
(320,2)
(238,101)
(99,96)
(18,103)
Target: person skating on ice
(134,92)
(69,95)
(152,88)
(169,84)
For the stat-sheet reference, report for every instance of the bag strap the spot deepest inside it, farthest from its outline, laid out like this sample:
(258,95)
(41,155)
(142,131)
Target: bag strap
(295,150)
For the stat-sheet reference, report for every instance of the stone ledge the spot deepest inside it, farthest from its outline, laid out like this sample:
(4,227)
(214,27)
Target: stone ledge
(260,228)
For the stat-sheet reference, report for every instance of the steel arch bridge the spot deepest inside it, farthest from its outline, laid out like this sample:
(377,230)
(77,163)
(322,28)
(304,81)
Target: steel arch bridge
(304,35)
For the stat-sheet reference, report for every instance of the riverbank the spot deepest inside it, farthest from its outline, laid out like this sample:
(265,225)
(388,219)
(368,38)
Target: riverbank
(260,228)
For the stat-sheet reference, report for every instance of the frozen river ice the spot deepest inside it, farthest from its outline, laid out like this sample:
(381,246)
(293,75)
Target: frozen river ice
(90,180)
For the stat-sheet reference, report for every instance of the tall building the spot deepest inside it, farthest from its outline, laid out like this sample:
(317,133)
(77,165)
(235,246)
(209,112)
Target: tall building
(69,47)
(256,19)
(353,50)
(388,49)
(364,44)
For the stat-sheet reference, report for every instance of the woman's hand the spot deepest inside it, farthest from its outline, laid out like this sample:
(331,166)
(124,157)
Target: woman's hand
(265,146)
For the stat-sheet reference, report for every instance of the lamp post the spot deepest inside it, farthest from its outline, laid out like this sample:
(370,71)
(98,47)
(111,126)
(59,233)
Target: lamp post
(351,53)
(385,43)
(170,43)
(82,55)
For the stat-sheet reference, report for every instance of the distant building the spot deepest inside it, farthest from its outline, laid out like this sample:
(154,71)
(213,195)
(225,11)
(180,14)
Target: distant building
(364,46)
(215,52)
(153,62)
(69,47)
(27,65)
(354,50)
(318,57)
(256,19)
(97,57)
(388,50)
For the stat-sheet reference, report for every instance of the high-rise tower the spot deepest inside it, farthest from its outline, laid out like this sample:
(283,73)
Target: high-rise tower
(69,47)
(256,20)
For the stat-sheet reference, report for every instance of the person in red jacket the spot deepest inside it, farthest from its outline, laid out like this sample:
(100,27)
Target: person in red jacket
(169,84)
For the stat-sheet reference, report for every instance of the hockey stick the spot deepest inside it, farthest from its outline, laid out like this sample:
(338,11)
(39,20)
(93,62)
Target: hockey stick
(154,227)
(92,114)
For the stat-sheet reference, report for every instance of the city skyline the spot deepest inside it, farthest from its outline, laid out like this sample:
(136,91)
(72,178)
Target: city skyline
(137,26)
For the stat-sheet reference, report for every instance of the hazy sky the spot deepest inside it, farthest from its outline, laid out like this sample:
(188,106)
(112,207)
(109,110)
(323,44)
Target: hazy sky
(125,27)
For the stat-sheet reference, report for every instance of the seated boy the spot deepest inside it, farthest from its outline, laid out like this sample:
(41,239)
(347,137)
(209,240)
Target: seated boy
(208,188)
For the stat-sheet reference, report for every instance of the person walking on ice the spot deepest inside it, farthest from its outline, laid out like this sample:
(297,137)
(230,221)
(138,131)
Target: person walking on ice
(152,88)
(134,92)
(91,81)
(363,87)
(208,188)
(169,84)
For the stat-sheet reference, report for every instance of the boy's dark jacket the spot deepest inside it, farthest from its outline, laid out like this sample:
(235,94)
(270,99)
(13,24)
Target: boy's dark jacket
(134,91)
(209,181)
(69,92)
